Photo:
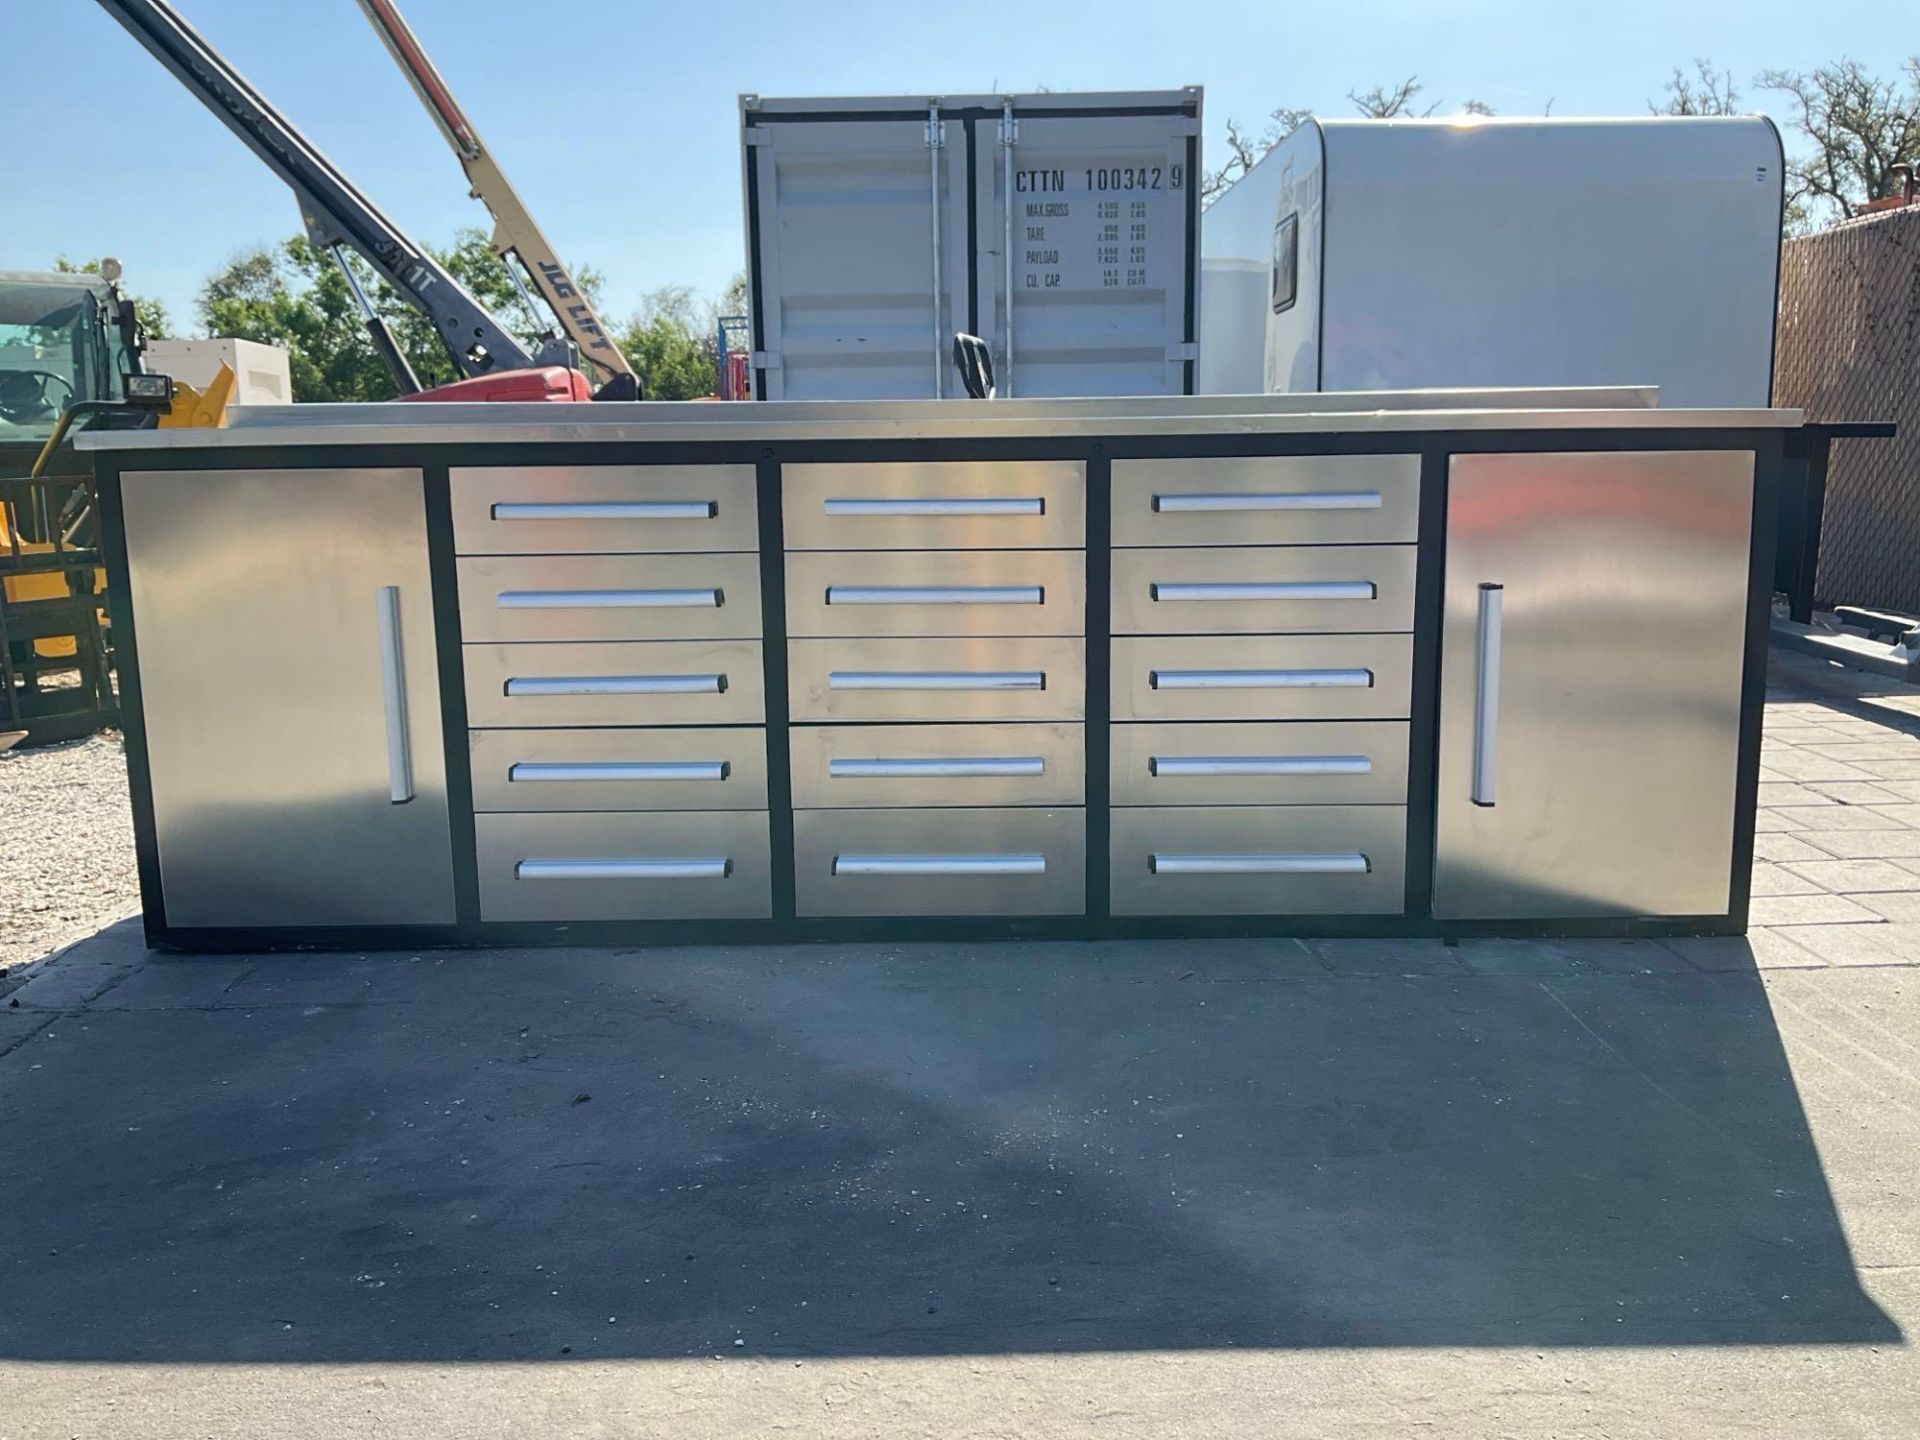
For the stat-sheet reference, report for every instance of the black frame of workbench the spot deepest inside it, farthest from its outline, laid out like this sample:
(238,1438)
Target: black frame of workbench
(1776,456)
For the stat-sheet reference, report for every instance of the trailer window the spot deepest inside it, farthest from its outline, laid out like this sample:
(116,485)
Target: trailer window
(1286,262)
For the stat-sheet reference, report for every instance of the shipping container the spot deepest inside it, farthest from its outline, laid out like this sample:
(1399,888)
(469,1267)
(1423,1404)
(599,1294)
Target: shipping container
(1395,254)
(877,228)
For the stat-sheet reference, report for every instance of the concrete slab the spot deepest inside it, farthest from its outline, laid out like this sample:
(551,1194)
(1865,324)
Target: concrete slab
(1779,848)
(1807,910)
(1853,877)
(1779,880)
(1866,844)
(1314,1188)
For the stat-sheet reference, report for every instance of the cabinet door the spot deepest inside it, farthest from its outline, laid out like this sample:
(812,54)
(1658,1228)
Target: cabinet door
(1590,676)
(862,258)
(290,695)
(1093,253)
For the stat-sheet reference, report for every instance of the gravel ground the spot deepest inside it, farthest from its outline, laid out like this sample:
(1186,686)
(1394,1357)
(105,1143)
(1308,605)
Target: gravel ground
(66,845)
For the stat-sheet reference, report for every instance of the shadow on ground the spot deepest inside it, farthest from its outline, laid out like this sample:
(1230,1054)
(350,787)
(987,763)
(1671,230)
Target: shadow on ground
(911,1150)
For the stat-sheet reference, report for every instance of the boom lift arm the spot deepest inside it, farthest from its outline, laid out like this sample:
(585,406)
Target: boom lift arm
(515,232)
(334,211)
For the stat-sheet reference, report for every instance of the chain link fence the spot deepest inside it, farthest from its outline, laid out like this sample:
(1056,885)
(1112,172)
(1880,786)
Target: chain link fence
(1849,349)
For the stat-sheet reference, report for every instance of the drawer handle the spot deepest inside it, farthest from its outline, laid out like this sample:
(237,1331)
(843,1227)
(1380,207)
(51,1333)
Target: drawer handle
(1034,505)
(959,767)
(618,685)
(702,868)
(936,595)
(1172,765)
(1259,679)
(1284,590)
(540,771)
(937,680)
(939,865)
(1300,500)
(1347,864)
(607,510)
(610,599)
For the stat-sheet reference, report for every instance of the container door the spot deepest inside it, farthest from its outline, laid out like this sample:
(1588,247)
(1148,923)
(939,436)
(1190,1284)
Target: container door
(1100,273)
(1591,664)
(291,696)
(850,257)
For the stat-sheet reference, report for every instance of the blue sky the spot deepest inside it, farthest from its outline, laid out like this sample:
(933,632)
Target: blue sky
(617,119)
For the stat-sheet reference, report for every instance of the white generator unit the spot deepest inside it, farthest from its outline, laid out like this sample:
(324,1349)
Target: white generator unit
(1409,254)
(1061,228)
(261,372)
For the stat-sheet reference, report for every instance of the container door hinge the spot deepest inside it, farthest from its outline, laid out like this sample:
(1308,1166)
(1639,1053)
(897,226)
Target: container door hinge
(756,135)
(1189,351)
(1186,125)
(764,359)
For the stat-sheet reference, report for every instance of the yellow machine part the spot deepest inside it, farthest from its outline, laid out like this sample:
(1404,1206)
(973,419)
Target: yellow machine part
(191,410)
(201,409)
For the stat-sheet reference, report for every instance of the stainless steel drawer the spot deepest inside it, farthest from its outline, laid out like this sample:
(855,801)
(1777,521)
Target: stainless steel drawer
(1019,677)
(1262,677)
(937,592)
(651,682)
(619,769)
(595,509)
(1272,589)
(1287,860)
(935,505)
(1267,500)
(609,597)
(1299,762)
(887,766)
(667,865)
(940,862)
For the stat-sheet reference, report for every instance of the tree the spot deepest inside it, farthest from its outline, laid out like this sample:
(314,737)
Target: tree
(1701,93)
(296,297)
(1382,102)
(152,314)
(1244,150)
(670,342)
(1392,102)
(1858,126)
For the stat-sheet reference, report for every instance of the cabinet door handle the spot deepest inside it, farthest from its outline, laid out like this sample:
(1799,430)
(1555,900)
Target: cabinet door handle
(1175,765)
(936,595)
(939,864)
(1486,696)
(606,510)
(698,868)
(393,694)
(1279,590)
(1032,505)
(617,685)
(543,771)
(937,680)
(711,599)
(1296,864)
(1298,500)
(958,767)
(1258,679)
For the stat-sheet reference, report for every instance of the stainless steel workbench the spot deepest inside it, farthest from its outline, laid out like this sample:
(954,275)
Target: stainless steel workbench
(1429,663)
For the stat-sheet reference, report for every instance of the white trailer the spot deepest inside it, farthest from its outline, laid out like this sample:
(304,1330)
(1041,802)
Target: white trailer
(1407,254)
(1061,228)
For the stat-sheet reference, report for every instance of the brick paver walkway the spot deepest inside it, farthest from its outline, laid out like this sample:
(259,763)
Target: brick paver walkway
(1836,872)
